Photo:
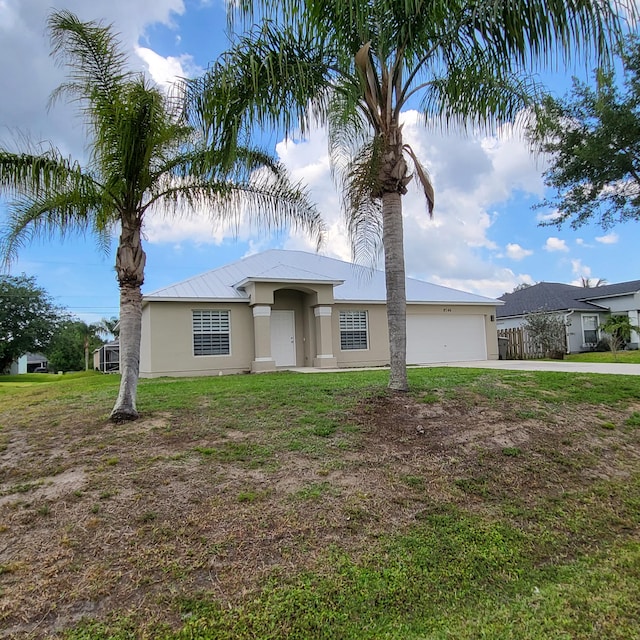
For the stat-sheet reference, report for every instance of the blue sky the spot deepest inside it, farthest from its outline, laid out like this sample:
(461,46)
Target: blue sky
(484,237)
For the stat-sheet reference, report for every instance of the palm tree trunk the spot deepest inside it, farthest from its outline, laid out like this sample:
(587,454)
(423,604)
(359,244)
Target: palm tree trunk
(392,240)
(130,261)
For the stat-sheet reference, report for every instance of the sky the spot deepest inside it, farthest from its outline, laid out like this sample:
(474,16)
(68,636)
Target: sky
(485,236)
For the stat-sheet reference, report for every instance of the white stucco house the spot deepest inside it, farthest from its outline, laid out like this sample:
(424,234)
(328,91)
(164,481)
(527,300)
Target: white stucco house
(284,309)
(583,309)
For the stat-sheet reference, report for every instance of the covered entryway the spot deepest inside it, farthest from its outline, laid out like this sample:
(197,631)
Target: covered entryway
(283,338)
(445,338)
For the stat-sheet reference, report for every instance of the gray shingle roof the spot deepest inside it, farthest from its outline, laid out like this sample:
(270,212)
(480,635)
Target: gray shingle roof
(633,286)
(352,283)
(545,296)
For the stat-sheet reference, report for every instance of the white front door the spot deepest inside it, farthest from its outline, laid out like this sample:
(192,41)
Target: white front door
(283,338)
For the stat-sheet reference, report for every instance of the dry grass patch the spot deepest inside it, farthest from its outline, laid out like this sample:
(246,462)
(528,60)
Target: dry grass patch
(134,519)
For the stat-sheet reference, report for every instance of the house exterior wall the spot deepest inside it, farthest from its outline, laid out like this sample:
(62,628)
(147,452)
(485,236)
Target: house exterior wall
(377,352)
(167,334)
(167,340)
(629,305)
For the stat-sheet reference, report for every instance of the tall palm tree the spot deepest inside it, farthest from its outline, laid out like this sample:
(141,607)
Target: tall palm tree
(144,156)
(354,65)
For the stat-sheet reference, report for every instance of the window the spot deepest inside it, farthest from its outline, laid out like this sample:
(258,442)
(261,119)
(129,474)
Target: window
(211,333)
(353,330)
(590,329)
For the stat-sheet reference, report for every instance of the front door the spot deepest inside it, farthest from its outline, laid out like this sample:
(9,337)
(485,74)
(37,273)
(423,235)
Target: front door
(283,338)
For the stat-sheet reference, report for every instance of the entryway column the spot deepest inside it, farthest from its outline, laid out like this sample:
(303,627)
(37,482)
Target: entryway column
(324,339)
(262,339)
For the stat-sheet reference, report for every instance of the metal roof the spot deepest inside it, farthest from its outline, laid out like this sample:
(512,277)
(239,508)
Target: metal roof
(352,283)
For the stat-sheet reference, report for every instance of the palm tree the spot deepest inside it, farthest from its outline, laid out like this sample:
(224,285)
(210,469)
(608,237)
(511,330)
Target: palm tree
(90,334)
(144,156)
(108,326)
(588,283)
(354,65)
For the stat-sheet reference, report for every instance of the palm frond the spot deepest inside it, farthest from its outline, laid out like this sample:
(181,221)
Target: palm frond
(423,179)
(362,210)
(93,55)
(264,200)
(473,92)
(272,76)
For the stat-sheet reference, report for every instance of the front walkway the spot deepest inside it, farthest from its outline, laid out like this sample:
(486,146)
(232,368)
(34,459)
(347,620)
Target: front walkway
(516,365)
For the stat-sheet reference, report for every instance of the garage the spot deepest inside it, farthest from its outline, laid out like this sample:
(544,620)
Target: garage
(450,338)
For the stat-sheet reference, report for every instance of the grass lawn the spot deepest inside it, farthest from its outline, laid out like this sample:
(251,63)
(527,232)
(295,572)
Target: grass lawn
(483,504)
(630,357)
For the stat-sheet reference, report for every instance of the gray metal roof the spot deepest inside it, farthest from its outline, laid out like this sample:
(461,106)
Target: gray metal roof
(544,296)
(351,282)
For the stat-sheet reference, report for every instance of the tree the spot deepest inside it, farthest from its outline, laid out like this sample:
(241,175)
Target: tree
(144,155)
(547,331)
(354,65)
(108,327)
(593,138)
(588,283)
(71,345)
(28,318)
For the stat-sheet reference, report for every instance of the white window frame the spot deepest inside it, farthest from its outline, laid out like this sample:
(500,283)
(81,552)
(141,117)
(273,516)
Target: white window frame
(348,323)
(597,330)
(215,319)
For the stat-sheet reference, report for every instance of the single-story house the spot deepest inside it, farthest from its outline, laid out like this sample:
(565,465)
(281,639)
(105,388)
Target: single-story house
(583,309)
(280,309)
(28,363)
(107,358)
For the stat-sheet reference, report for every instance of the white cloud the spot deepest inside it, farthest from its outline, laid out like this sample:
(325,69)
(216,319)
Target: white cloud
(166,71)
(609,238)
(31,75)
(516,252)
(470,174)
(548,218)
(555,244)
(580,269)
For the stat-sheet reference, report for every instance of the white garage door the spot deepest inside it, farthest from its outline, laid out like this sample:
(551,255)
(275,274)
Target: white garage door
(445,339)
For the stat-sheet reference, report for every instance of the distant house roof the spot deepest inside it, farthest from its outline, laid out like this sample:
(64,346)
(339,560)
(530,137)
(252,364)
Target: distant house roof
(352,283)
(605,291)
(545,296)
(35,358)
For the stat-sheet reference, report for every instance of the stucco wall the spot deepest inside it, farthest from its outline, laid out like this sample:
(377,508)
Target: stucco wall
(378,352)
(167,341)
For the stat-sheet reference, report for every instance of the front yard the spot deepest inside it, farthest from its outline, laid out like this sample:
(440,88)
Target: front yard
(630,357)
(490,504)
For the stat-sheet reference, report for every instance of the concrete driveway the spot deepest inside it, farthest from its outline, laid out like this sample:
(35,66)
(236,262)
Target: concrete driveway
(509,365)
(548,365)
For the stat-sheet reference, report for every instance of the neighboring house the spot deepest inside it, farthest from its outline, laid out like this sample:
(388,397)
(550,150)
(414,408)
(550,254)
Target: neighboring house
(28,363)
(107,357)
(282,309)
(583,309)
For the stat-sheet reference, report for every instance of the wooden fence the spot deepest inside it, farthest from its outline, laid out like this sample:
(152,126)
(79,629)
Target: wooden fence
(520,346)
